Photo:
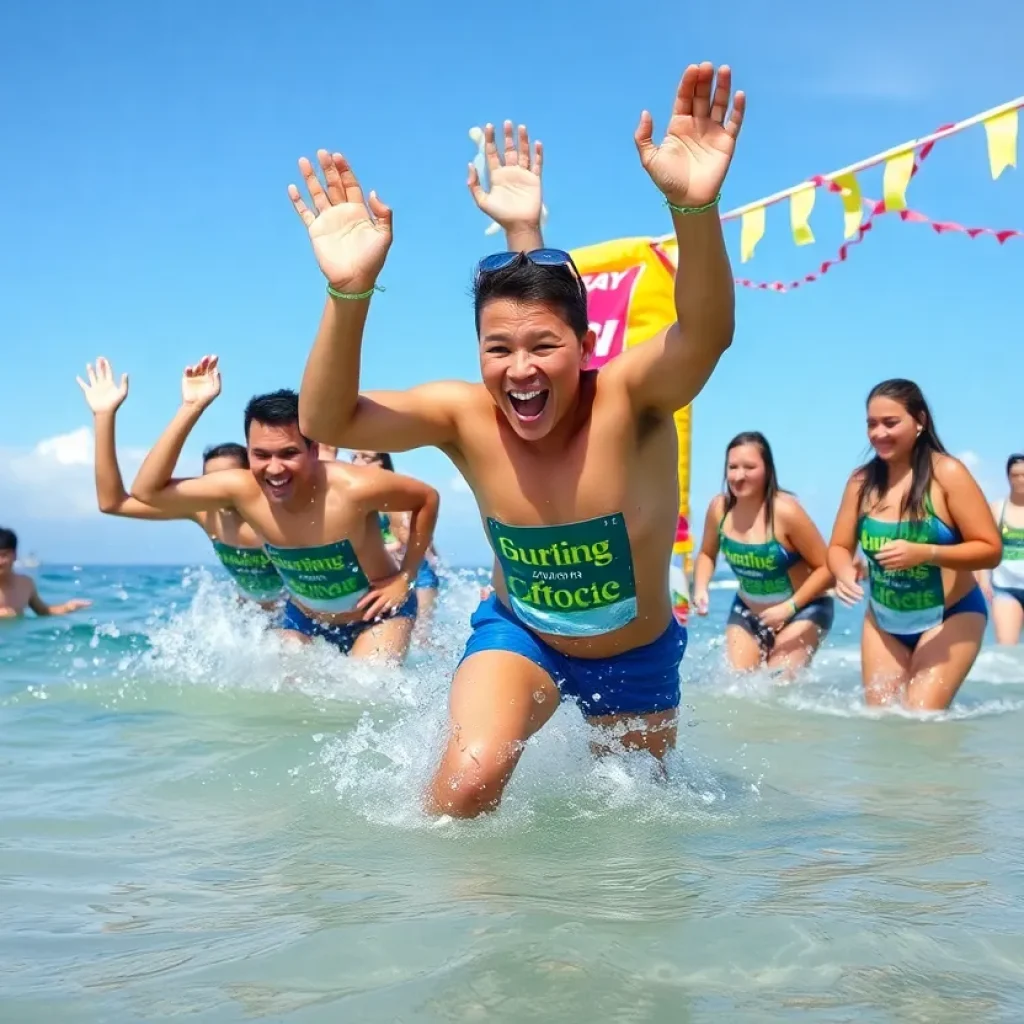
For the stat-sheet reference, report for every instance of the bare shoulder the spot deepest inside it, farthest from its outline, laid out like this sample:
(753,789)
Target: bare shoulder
(716,507)
(787,508)
(949,471)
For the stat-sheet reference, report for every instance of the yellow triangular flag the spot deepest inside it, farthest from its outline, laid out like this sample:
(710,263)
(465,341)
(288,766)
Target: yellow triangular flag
(751,232)
(801,203)
(853,204)
(898,170)
(1001,132)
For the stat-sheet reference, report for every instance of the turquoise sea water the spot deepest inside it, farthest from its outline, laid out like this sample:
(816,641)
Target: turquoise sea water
(197,824)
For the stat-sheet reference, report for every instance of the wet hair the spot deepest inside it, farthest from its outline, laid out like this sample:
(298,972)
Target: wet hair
(8,539)
(228,450)
(876,472)
(275,409)
(771,479)
(386,462)
(1012,461)
(525,282)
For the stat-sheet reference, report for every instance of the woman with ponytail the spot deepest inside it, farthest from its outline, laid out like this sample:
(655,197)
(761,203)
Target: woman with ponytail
(781,613)
(925,528)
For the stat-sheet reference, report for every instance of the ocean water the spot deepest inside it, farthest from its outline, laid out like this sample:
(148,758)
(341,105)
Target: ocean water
(197,824)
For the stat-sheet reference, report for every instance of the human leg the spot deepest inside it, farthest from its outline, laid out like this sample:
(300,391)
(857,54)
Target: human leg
(747,642)
(885,663)
(499,699)
(1008,616)
(942,660)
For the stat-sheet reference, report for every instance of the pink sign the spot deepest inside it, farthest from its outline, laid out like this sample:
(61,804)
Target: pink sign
(609,294)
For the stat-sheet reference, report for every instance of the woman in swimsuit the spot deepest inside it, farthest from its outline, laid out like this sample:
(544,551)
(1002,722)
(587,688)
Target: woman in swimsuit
(1004,585)
(781,613)
(924,526)
(235,543)
(396,535)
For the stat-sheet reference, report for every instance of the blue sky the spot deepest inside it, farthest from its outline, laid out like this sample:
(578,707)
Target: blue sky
(144,216)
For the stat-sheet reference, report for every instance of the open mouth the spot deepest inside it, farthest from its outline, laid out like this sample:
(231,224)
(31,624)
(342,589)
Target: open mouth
(278,485)
(529,405)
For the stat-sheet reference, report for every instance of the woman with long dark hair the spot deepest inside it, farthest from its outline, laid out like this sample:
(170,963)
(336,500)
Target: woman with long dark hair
(781,612)
(395,527)
(925,528)
(1004,585)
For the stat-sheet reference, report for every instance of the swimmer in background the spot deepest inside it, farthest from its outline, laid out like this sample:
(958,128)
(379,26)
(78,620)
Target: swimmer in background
(574,470)
(925,528)
(18,592)
(1004,585)
(236,544)
(396,537)
(782,611)
(318,520)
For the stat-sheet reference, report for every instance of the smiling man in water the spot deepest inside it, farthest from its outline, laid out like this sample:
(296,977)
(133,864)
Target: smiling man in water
(574,471)
(318,519)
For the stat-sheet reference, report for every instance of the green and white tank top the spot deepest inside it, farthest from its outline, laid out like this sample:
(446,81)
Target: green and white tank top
(1009,573)
(905,601)
(252,571)
(326,578)
(762,570)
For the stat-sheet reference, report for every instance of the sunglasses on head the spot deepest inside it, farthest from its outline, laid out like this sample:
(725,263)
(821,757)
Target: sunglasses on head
(538,257)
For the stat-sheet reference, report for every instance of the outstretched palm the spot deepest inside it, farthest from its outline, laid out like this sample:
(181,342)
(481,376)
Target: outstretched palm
(691,163)
(349,244)
(515,194)
(102,392)
(200,384)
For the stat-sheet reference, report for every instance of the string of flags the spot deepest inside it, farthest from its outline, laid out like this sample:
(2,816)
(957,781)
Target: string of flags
(859,213)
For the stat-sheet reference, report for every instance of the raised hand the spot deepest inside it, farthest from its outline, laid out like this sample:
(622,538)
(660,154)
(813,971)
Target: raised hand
(200,384)
(515,195)
(691,163)
(350,242)
(102,392)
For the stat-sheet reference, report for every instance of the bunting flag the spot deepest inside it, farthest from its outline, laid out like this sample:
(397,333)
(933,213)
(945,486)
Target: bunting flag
(630,298)
(900,164)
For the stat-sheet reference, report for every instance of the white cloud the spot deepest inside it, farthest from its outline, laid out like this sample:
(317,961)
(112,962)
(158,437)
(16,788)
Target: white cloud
(53,480)
(972,460)
(458,484)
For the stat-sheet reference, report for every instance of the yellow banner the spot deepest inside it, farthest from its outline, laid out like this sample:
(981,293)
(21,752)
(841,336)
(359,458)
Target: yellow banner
(853,203)
(630,285)
(751,232)
(1001,134)
(801,203)
(895,180)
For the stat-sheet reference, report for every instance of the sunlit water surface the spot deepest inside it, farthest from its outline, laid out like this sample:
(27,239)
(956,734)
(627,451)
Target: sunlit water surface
(197,823)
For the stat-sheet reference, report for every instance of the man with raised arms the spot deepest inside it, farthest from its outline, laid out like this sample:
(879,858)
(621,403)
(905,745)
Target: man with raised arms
(574,471)
(318,519)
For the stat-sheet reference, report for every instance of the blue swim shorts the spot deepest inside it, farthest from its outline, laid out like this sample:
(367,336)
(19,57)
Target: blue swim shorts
(341,635)
(642,681)
(426,577)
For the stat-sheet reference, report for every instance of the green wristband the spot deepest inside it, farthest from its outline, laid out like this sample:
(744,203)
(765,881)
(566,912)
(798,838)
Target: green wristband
(795,609)
(334,293)
(685,210)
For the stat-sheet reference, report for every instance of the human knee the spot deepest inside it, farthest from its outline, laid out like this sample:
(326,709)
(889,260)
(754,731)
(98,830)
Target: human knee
(475,784)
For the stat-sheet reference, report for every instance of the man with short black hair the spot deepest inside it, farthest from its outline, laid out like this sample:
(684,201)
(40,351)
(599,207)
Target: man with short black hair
(319,520)
(18,592)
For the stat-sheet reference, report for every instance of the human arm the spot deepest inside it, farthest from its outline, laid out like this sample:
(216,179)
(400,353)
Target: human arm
(689,167)
(394,493)
(803,537)
(842,546)
(514,200)
(154,485)
(104,397)
(40,607)
(981,547)
(350,243)
(707,556)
